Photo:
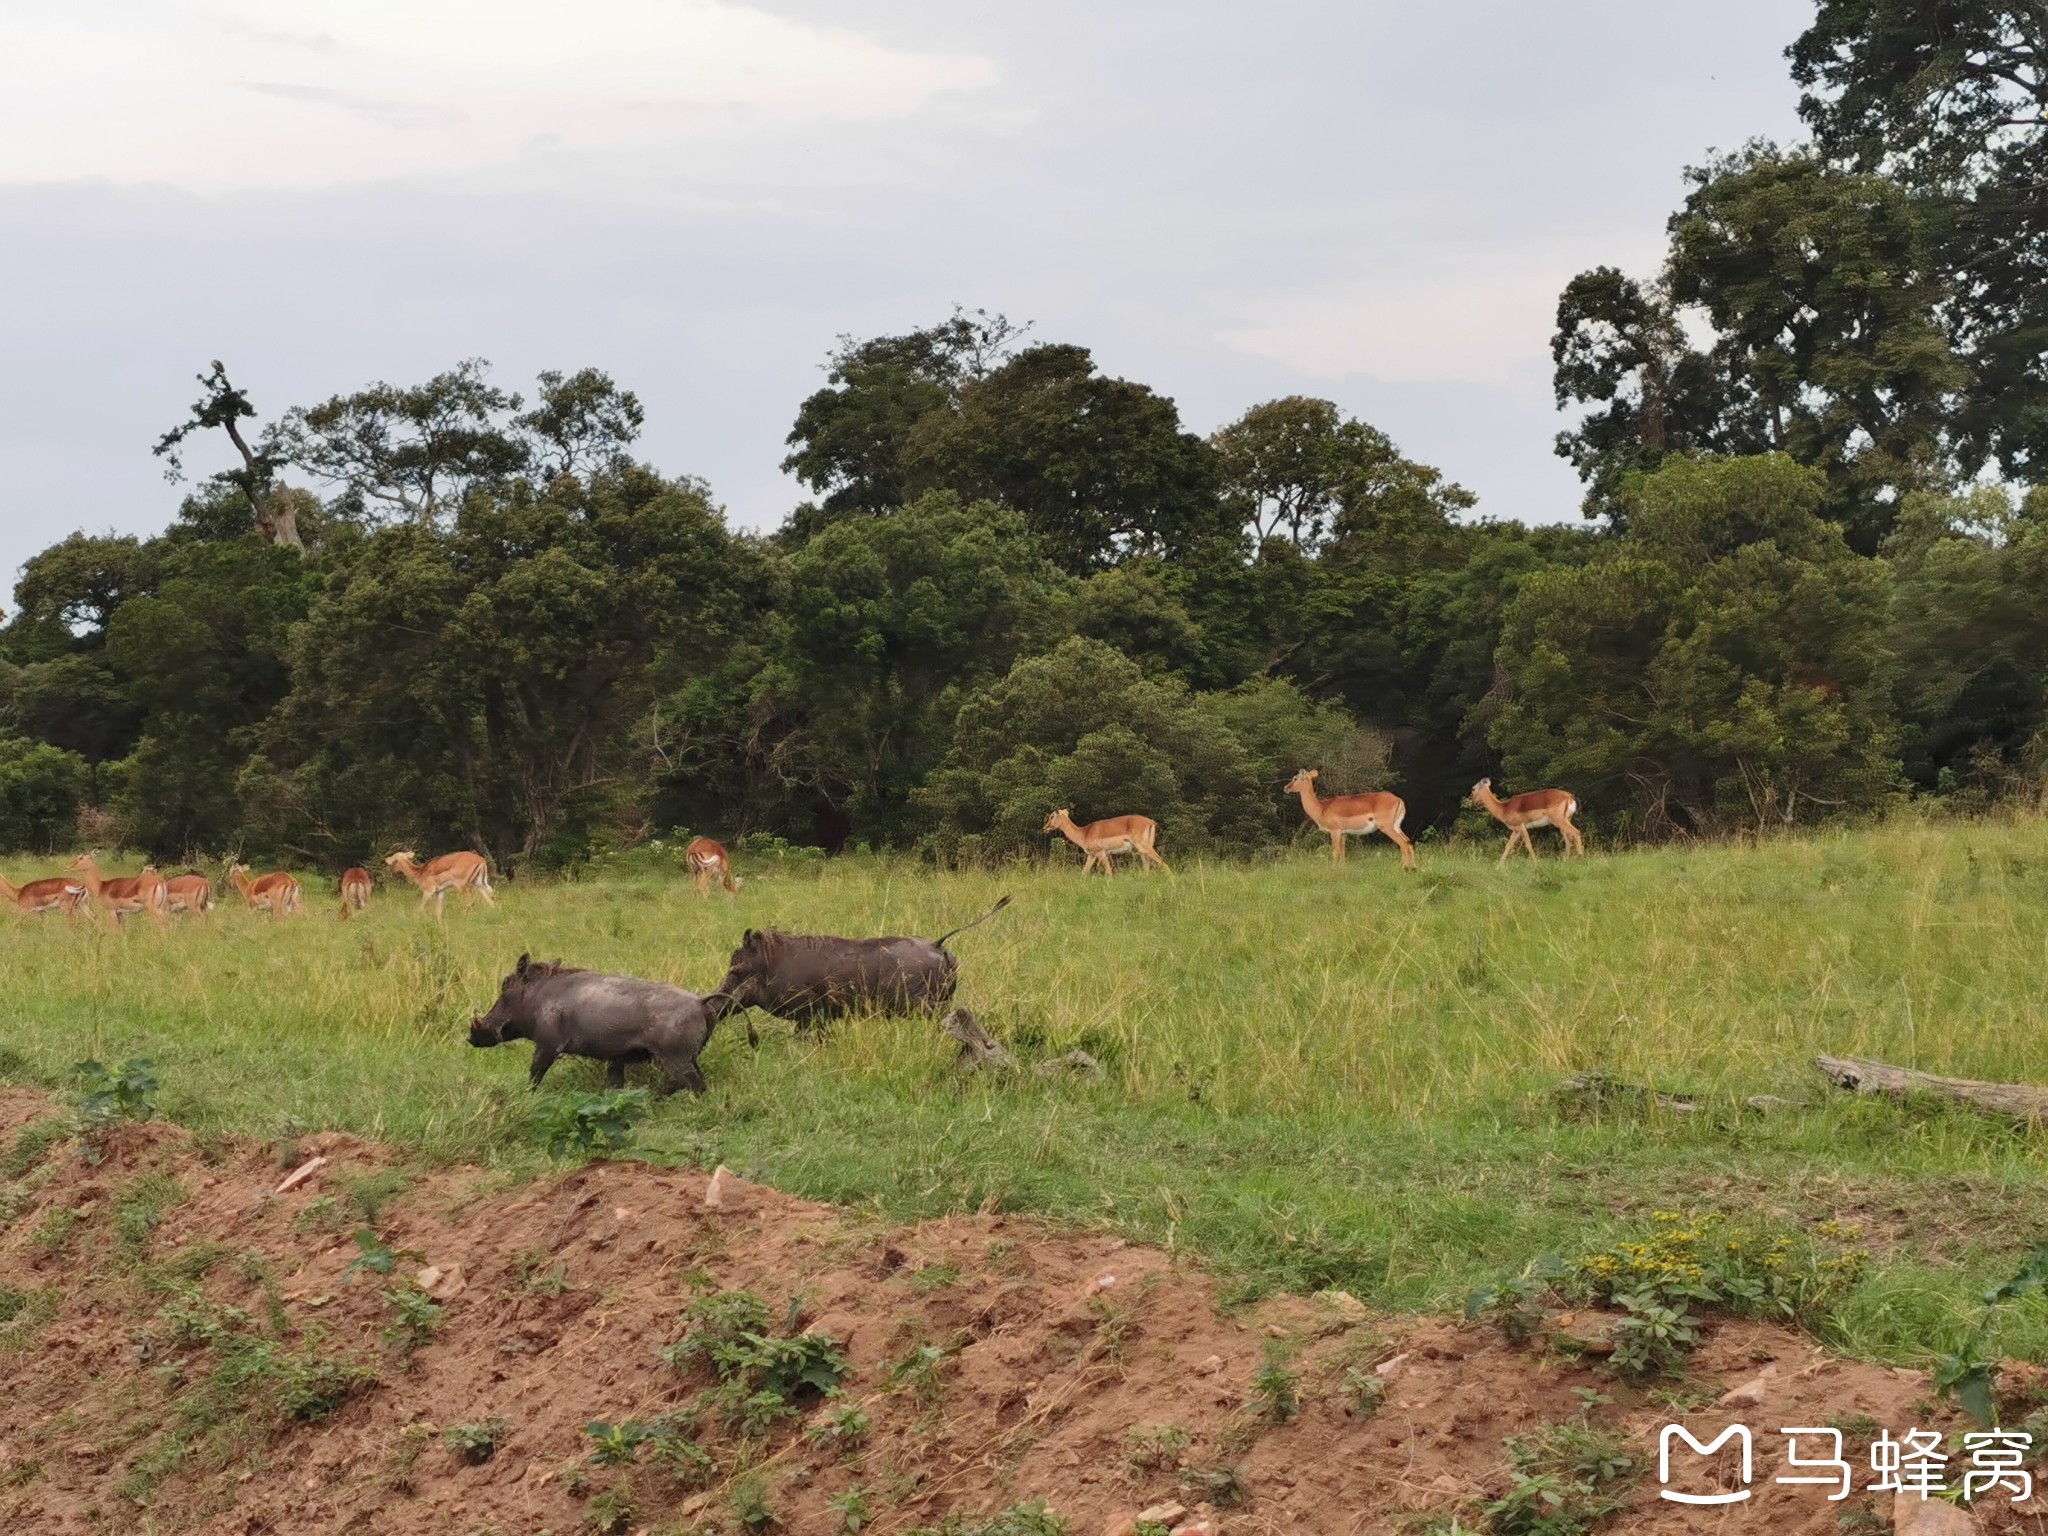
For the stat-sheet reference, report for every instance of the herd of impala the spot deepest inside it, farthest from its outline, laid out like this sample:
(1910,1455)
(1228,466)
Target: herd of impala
(84,888)
(1341,816)
(468,875)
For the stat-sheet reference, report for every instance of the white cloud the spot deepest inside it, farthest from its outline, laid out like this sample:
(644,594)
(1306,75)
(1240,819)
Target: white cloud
(239,94)
(1470,316)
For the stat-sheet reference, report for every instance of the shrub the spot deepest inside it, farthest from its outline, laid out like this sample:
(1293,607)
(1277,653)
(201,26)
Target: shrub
(477,1443)
(1564,1479)
(40,788)
(592,1123)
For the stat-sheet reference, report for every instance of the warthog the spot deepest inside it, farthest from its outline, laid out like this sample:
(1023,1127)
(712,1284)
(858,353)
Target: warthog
(617,1020)
(809,976)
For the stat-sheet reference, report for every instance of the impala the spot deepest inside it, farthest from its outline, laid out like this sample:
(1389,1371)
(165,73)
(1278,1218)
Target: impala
(124,894)
(56,894)
(464,872)
(276,893)
(1537,808)
(355,890)
(189,892)
(709,861)
(1113,834)
(1344,815)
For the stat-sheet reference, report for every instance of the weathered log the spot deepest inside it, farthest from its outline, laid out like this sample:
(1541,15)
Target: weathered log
(1596,1090)
(2011,1101)
(1073,1064)
(978,1051)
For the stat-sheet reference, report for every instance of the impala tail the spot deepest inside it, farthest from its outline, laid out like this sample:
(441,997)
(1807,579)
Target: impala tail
(991,912)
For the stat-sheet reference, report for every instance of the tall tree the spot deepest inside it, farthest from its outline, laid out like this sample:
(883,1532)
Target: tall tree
(224,407)
(1950,99)
(888,622)
(1100,468)
(852,439)
(412,452)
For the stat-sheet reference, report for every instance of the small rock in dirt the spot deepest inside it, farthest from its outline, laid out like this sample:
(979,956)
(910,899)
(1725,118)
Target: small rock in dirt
(1750,1392)
(1203,1527)
(1125,1524)
(1386,1368)
(1168,1513)
(1913,1515)
(1210,1366)
(300,1174)
(1347,1307)
(443,1282)
(727,1191)
(1097,1285)
(1591,1333)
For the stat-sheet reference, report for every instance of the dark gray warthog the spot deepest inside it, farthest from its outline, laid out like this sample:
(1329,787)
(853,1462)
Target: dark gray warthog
(810,976)
(617,1020)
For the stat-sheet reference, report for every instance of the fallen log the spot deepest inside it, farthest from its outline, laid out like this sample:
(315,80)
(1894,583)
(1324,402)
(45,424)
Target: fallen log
(978,1051)
(2011,1101)
(1597,1091)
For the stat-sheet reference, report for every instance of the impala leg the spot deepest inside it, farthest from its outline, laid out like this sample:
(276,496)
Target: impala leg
(1529,845)
(1400,840)
(1336,847)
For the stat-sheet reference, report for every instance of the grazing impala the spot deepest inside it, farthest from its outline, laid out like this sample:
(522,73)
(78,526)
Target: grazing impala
(1343,815)
(276,893)
(59,893)
(189,892)
(464,872)
(124,894)
(709,861)
(1113,834)
(1537,808)
(355,890)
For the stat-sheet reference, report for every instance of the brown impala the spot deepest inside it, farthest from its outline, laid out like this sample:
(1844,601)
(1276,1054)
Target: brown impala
(124,894)
(276,893)
(189,892)
(464,872)
(709,861)
(355,890)
(1344,815)
(1113,834)
(1537,808)
(59,893)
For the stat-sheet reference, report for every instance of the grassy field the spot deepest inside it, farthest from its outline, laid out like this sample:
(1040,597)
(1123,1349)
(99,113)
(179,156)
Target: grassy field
(1315,1076)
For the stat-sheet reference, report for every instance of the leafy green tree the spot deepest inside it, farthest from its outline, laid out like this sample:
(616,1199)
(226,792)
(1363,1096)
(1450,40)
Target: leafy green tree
(1950,99)
(203,657)
(1085,727)
(1821,288)
(1099,467)
(887,624)
(40,789)
(1722,662)
(484,685)
(852,440)
(1297,467)
(1825,306)
(1619,346)
(262,504)
(1969,629)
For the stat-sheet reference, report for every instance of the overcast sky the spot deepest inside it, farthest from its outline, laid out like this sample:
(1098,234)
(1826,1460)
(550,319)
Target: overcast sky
(1375,202)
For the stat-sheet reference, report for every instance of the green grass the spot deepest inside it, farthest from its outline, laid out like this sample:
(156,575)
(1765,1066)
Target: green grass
(1315,1076)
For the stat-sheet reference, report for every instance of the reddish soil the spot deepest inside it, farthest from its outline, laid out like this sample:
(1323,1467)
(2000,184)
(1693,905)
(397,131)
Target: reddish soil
(1047,1370)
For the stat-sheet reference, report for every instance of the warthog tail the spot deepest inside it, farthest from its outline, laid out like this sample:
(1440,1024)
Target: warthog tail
(991,912)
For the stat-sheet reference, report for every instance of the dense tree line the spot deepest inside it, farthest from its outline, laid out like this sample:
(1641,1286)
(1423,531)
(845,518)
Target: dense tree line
(1813,574)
